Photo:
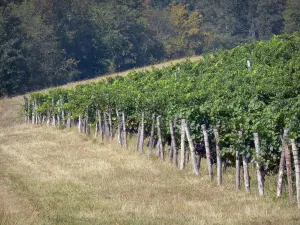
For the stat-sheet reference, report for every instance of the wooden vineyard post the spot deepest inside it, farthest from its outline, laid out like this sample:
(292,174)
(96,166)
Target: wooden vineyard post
(260,181)
(280,174)
(142,133)
(100,126)
(119,134)
(182,145)
(33,114)
(192,149)
(96,125)
(28,111)
(53,114)
(159,144)
(138,138)
(288,165)
(207,150)
(48,118)
(297,169)
(124,129)
(173,144)
(62,113)
(151,141)
(69,121)
(25,108)
(219,158)
(238,170)
(79,124)
(106,128)
(245,170)
(110,124)
(152,134)
(36,113)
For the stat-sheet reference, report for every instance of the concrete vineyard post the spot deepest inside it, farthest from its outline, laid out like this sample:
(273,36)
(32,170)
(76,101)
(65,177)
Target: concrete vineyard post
(152,134)
(207,150)
(124,129)
(182,145)
(297,169)
(219,158)
(192,149)
(260,181)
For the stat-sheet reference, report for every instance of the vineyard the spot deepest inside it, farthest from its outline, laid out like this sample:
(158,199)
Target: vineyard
(233,107)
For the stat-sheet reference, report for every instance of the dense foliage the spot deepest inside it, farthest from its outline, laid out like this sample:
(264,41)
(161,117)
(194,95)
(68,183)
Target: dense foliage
(50,42)
(223,90)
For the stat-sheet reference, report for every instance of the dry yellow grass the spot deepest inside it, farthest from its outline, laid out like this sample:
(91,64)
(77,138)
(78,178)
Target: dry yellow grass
(50,176)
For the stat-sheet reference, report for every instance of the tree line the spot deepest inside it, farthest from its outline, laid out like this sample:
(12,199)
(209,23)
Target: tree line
(50,42)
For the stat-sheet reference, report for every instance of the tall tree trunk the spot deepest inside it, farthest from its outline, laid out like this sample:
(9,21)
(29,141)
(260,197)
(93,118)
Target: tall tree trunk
(260,180)
(152,134)
(160,145)
(173,144)
(182,145)
(141,141)
(297,169)
(124,129)
(219,158)
(192,149)
(207,150)
(287,155)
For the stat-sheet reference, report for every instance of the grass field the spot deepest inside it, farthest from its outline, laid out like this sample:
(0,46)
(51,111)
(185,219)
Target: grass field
(52,176)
